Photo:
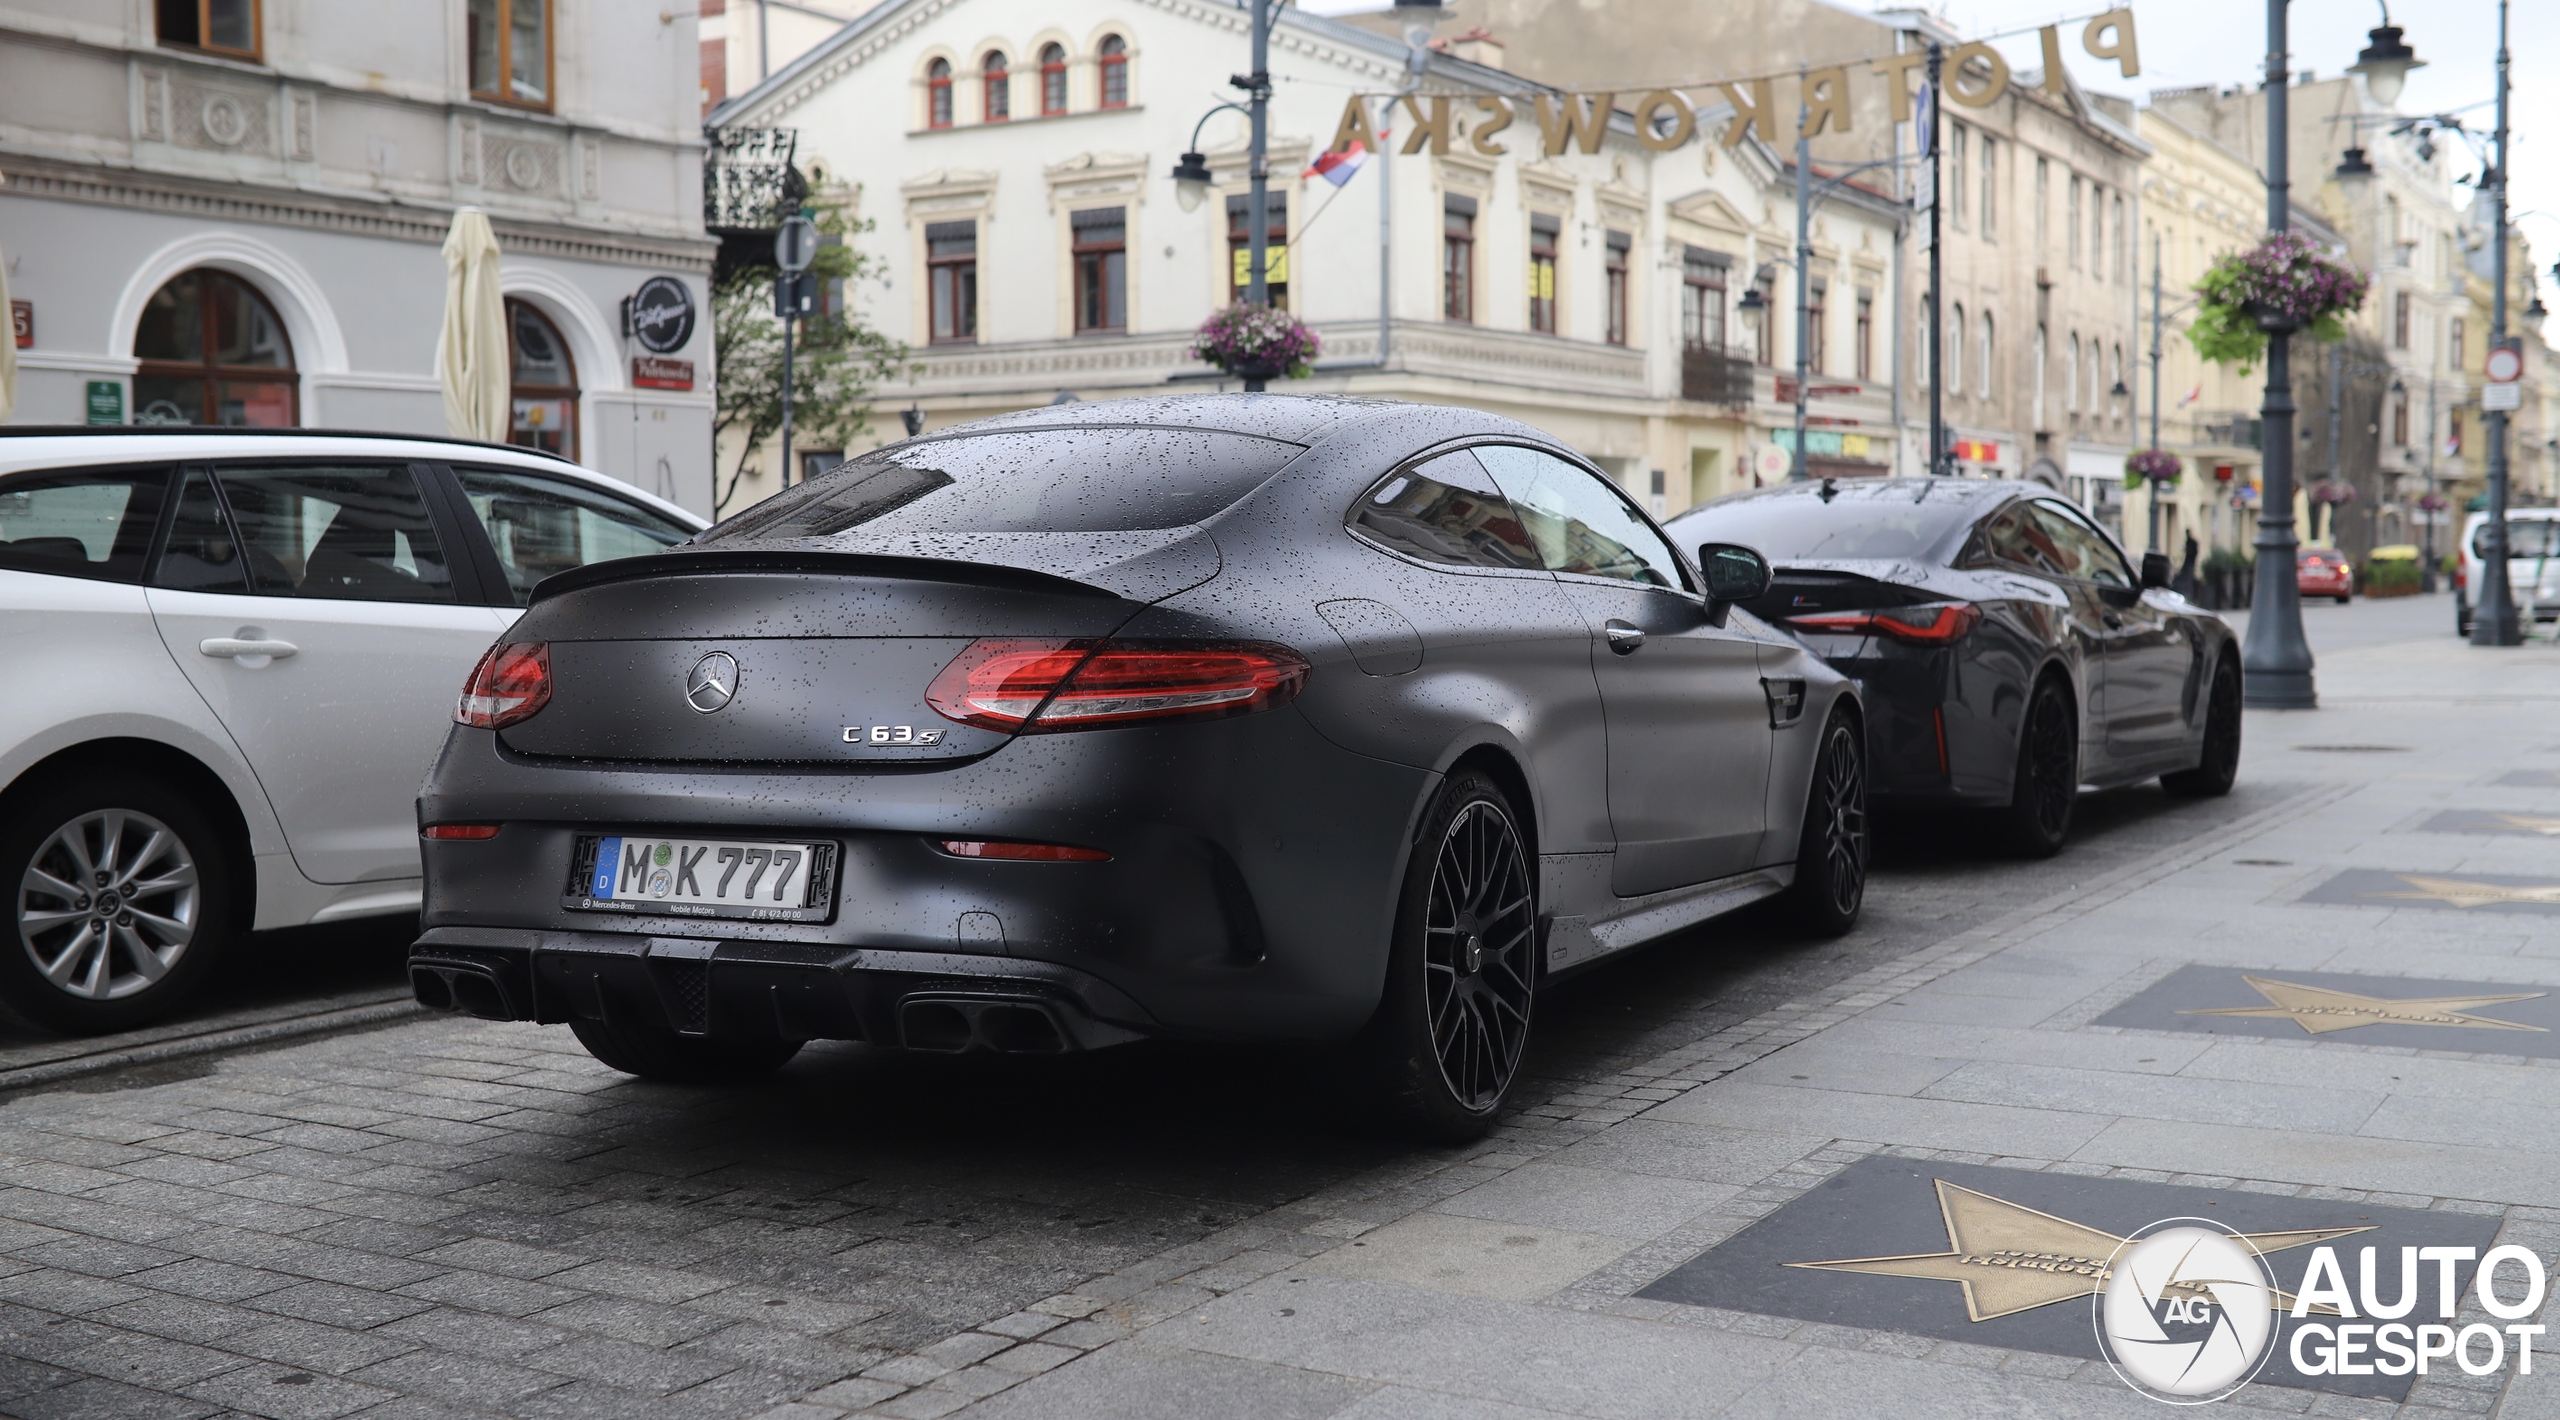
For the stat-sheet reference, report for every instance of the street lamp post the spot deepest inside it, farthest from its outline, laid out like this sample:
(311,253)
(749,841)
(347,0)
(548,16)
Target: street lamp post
(2494,623)
(2275,661)
(1938,459)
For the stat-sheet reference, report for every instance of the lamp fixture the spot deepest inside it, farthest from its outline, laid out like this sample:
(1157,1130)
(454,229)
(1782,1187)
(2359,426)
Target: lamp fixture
(1191,180)
(2385,61)
(2352,166)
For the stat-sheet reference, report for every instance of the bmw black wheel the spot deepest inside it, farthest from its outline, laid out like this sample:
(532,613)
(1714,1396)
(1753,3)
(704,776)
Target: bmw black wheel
(1831,854)
(2219,763)
(1462,970)
(2047,782)
(120,901)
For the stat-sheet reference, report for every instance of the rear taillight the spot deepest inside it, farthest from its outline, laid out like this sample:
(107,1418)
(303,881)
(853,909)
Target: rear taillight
(510,685)
(1020,852)
(1930,624)
(1040,687)
(466,832)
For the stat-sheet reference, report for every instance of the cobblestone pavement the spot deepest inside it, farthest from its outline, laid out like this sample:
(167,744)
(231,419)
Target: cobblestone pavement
(451,1218)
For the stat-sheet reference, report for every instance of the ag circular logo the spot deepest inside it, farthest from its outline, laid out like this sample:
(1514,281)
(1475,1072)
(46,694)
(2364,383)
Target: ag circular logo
(2187,1312)
(662,315)
(713,681)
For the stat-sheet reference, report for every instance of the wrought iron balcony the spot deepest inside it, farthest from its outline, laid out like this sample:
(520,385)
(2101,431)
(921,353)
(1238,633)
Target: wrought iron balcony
(1712,376)
(748,181)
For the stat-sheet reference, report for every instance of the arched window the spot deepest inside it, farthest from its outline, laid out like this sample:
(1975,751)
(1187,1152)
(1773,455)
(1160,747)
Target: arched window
(937,94)
(1115,72)
(999,87)
(1955,351)
(1982,371)
(213,352)
(1053,79)
(545,383)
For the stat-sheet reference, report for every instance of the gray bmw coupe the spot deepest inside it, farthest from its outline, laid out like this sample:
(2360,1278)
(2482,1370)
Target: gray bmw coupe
(1222,717)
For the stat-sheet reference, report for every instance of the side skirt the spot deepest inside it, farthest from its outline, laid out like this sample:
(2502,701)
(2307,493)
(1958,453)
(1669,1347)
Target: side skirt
(1577,942)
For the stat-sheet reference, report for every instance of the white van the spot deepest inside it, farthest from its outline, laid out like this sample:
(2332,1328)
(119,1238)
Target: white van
(2533,564)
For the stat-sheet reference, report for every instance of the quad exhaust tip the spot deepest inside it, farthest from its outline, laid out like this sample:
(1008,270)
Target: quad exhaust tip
(466,990)
(950,1025)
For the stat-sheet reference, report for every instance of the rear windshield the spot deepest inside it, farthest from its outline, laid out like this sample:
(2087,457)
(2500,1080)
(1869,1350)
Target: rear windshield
(1027,481)
(1903,518)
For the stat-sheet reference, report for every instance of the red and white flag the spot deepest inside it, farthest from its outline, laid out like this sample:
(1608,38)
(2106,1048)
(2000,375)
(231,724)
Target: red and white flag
(2193,395)
(1337,166)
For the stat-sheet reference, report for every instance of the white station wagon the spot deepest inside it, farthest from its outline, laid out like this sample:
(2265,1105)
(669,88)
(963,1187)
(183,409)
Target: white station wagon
(229,657)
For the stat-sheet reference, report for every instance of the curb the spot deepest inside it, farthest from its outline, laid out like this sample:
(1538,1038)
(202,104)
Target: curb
(207,1042)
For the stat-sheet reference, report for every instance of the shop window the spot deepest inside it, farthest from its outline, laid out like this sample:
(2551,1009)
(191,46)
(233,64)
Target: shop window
(1458,259)
(1543,231)
(222,26)
(1101,253)
(951,275)
(1616,271)
(1053,80)
(1275,246)
(1115,72)
(545,392)
(937,94)
(510,46)
(212,351)
(999,80)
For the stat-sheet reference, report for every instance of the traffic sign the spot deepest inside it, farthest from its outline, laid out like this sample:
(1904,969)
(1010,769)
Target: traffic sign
(2505,365)
(796,245)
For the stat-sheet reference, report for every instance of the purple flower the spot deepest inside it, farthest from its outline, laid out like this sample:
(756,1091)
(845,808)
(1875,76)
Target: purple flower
(1249,335)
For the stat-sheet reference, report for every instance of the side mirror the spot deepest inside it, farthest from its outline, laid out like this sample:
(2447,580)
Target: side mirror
(1734,574)
(2155,570)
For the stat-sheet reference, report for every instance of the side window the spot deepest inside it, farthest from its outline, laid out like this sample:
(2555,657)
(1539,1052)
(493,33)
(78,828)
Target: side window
(543,525)
(1446,510)
(2011,539)
(87,524)
(350,532)
(2082,550)
(1578,521)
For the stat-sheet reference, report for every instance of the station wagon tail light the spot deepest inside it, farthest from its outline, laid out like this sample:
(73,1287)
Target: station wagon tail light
(1929,624)
(1045,686)
(1020,852)
(510,685)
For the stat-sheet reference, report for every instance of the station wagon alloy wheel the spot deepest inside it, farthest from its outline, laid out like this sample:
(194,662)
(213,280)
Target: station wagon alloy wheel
(1477,960)
(109,904)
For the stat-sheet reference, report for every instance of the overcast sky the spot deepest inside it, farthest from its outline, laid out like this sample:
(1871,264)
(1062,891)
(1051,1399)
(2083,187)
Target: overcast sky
(2224,42)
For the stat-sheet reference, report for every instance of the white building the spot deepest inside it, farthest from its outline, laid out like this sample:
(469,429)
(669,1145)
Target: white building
(231,212)
(1016,155)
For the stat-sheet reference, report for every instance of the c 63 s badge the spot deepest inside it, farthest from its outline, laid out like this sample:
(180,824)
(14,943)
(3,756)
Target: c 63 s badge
(890,735)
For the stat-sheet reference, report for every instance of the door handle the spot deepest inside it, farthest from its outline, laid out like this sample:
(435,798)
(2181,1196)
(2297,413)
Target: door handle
(1625,638)
(250,647)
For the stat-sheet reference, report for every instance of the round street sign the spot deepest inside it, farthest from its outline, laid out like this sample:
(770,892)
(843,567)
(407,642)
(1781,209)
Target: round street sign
(2505,366)
(662,315)
(796,245)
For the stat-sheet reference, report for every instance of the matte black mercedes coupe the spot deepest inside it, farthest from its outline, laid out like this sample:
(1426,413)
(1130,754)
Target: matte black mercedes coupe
(2007,649)
(1241,717)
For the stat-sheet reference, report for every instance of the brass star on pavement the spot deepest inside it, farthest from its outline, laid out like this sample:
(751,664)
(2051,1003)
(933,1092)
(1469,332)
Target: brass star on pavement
(2319,1010)
(2547,827)
(2462,892)
(2010,1258)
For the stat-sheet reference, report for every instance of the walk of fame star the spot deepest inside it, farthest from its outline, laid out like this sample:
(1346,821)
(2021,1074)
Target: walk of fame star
(2010,1258)
(2463,892)
(2319,1010)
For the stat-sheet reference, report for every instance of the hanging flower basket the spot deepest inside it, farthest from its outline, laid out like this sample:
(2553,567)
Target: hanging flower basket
(2282,285)
(2155,465)
(1256,343)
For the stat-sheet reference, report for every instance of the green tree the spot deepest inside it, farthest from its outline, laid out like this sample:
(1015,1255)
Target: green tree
(837,362)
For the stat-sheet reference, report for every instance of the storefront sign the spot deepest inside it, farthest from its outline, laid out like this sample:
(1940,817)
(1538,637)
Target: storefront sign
(106,402)
(1976,451)
(656,372)
(661,316)
(1976,77)
(22,322)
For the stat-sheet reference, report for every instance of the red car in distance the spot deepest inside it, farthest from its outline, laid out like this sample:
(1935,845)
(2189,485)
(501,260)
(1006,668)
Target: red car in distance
(2320,572)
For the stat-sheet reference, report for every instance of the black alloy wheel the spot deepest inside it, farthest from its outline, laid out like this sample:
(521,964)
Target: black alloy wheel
(2219,764)
(2047,782)
(1831,854)
(120,897)
(652,1051)
(1462,970)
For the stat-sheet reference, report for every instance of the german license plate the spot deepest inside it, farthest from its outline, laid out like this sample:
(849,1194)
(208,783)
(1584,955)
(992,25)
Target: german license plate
(705,877)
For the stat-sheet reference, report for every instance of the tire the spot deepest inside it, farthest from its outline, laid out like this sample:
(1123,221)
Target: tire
(2047,780)
(2219,764)
(1443,1051)
(2342,601)
(657,1053)
(119,902)
(1831,853)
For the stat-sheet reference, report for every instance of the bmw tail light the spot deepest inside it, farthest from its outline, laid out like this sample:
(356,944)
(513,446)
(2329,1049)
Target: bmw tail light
(1039,687)
(1929,624)
(510,685)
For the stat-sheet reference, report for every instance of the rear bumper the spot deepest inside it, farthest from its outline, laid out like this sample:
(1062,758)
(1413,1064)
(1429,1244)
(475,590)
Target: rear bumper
(732,990)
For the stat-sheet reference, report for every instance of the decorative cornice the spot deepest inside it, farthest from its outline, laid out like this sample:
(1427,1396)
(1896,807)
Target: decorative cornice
(110,187)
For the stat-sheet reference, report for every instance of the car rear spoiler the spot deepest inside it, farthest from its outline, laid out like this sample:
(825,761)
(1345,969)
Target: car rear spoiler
(857,564)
